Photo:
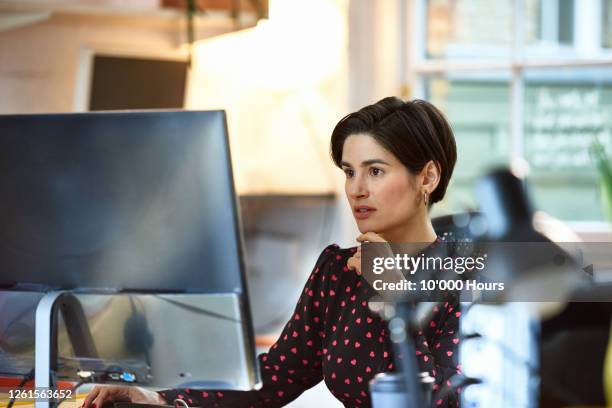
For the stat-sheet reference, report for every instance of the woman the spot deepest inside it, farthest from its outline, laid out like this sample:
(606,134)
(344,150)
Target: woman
(398,158)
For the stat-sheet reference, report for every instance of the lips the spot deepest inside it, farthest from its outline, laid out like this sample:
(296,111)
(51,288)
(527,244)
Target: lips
(361,212)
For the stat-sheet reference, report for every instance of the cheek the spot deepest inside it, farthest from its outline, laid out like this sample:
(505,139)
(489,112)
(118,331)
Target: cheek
(396,192)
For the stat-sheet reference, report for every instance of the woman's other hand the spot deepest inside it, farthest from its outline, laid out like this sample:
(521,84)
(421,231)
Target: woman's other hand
(354,262)
(102,394)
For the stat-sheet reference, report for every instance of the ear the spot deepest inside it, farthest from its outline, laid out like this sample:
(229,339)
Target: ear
(430,176)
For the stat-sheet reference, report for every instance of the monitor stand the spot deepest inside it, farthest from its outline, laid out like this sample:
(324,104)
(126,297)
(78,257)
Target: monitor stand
(46,338)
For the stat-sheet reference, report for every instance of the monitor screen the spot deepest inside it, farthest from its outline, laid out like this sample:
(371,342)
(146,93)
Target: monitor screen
(129,201)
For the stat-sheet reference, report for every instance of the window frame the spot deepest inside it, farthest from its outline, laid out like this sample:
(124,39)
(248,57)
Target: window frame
(417,67)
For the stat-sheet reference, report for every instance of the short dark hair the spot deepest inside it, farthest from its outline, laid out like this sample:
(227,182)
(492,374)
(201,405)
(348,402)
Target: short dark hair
(415,132)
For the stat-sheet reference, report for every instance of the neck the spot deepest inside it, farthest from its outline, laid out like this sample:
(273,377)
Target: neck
(418,229)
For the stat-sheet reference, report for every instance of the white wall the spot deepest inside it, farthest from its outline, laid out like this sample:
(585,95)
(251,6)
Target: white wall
(40,63)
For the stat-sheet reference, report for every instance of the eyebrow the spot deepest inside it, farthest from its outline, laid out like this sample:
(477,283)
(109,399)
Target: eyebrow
(366,163)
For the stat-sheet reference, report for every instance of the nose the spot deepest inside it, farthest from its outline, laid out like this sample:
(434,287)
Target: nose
(357,188)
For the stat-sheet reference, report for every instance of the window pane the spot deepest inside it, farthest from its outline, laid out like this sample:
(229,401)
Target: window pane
(477,107)
(567,28)
(565,111)
(484,29)
(468,28)
(550,27)
(607,23)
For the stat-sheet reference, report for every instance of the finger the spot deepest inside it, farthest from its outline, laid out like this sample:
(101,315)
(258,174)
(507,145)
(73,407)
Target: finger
(370,237)
(351,263)
(99,400)
(354,263)
(90,397)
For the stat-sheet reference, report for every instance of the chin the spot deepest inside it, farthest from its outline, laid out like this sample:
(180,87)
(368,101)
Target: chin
(366,226)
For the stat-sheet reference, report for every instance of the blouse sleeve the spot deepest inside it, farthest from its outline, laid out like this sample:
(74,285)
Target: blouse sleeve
(292,364)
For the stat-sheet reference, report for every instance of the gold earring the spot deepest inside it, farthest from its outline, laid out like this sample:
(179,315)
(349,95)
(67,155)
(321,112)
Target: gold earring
(425,198)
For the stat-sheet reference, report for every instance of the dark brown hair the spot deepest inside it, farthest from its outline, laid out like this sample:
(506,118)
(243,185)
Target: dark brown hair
(415,132)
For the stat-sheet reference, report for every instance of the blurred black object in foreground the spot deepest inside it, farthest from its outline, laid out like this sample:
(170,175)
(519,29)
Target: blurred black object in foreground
(573,343)
(572,351)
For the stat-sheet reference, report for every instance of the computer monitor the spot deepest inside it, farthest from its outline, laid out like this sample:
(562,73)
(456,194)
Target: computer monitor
(134,201)
(140,203)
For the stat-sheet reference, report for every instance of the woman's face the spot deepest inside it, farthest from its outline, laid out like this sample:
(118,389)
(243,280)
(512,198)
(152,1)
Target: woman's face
(381,191)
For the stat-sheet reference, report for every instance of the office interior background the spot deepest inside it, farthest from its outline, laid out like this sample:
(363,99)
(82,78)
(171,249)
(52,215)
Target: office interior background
(525,84)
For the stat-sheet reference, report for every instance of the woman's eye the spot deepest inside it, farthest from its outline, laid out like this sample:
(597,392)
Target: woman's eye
(349,173)
(375,171)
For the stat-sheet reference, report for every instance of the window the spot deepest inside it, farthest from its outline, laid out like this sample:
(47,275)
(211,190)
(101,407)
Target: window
(522,82)
(473,103)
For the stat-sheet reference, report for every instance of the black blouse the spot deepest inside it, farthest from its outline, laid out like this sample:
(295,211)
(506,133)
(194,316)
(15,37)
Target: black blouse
(333,336)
